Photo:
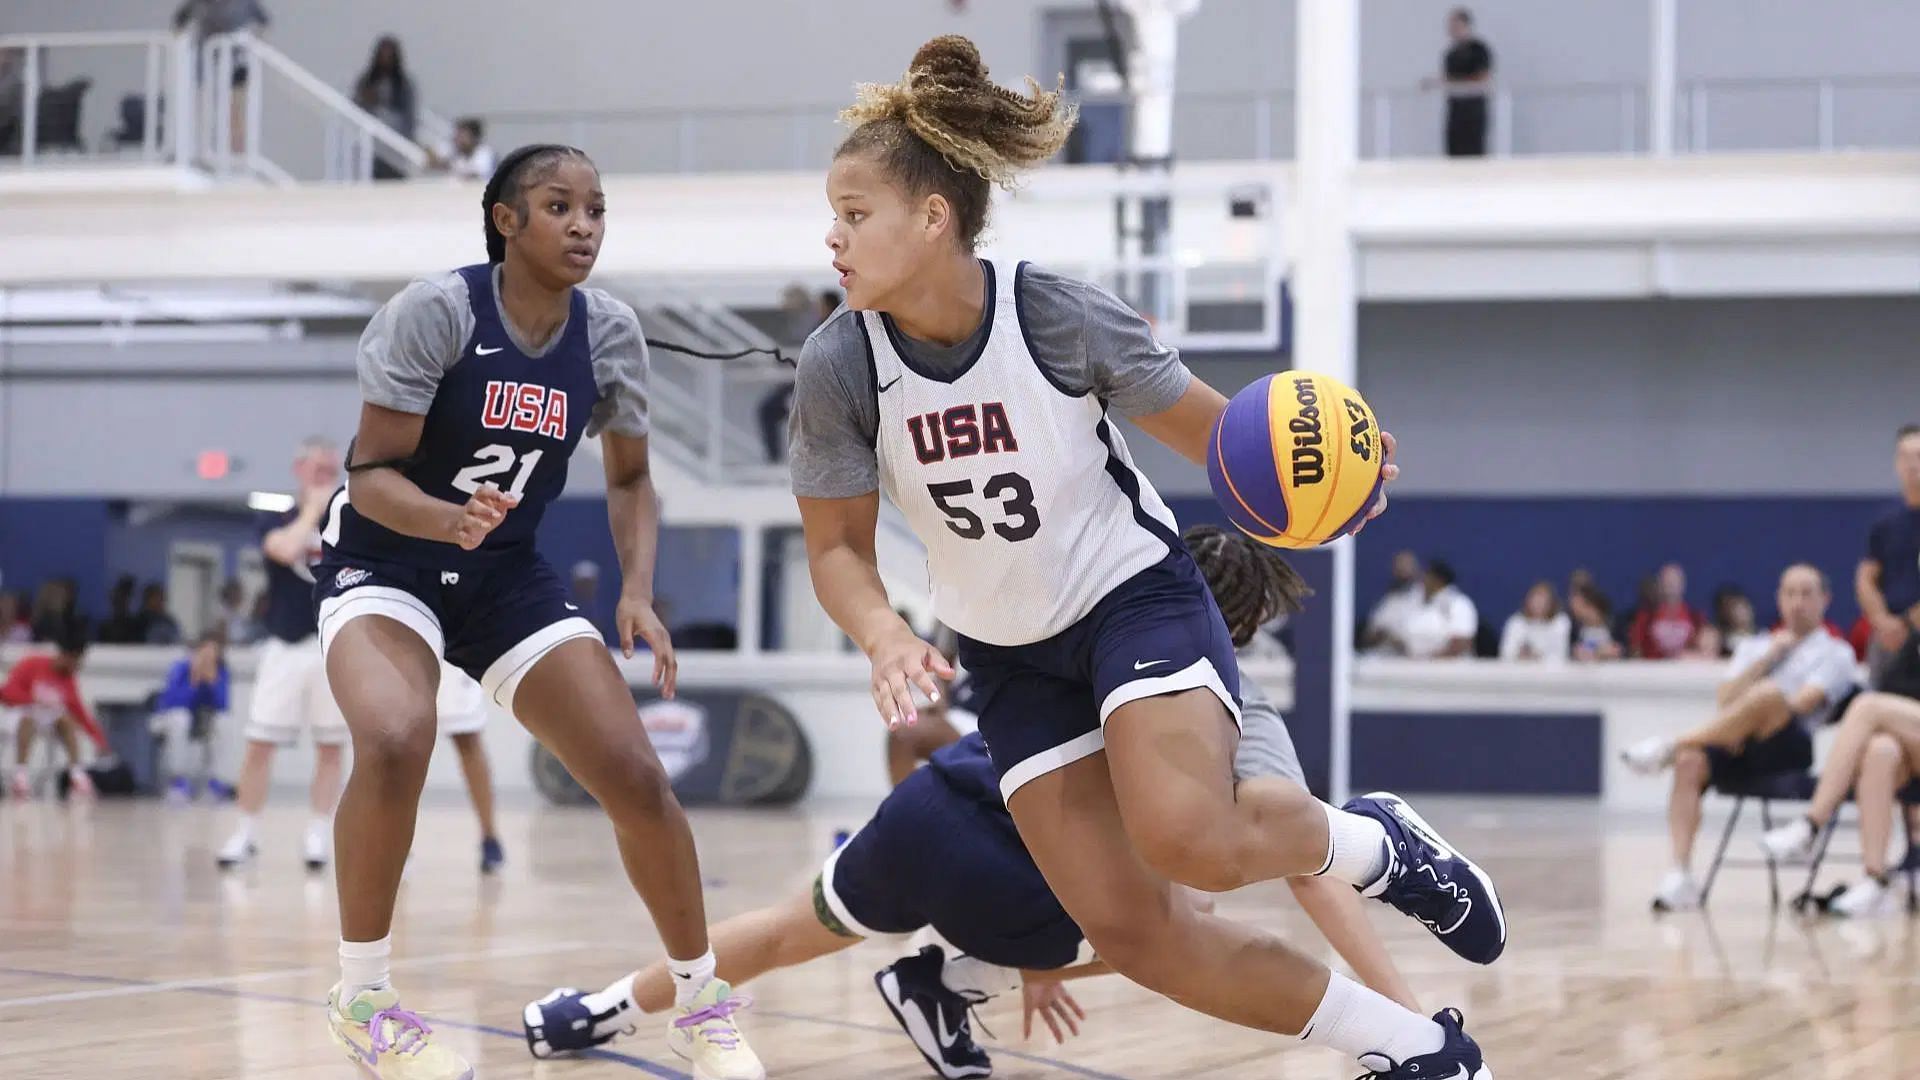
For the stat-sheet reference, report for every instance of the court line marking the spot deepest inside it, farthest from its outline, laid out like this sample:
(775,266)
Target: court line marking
(629,1060)
(217,988)
(128,987)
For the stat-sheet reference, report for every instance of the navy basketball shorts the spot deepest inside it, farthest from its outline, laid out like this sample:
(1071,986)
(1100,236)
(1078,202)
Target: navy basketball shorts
(1044,705)
(934,856)
(1788,750)
(493,620)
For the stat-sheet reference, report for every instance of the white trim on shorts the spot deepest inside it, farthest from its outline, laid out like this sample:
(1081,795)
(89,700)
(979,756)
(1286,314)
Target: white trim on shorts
(397,604)
(837,905)
(1047,761)
(502,678)
(1192,677)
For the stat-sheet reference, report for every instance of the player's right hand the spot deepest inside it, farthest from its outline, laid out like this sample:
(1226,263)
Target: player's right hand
(1050,1000)
(900,663)
(482,514)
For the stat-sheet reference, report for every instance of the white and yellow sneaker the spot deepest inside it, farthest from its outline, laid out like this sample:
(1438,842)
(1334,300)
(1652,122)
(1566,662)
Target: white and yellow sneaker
(703,1032)
(389,1042)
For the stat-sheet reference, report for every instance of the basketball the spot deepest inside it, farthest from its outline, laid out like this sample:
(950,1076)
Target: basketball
(1295,459)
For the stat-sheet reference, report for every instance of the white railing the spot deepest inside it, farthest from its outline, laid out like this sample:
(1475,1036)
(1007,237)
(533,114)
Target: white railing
(1527,119)
(353,138)
(163,62)
(187,103)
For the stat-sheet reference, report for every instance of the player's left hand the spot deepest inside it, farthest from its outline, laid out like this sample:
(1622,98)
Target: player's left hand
(1389,472)
(635,618)
(1055,1006)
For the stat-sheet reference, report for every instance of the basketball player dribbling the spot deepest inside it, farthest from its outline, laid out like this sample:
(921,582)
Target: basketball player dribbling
(976,393)
(477,386)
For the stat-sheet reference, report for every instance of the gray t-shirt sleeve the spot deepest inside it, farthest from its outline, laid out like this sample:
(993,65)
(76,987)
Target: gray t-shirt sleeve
(1266,747)
(1089,339)
(619,366)
(835,421)
(411,342)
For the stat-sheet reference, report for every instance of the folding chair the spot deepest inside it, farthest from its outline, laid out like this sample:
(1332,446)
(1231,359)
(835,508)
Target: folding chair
(1909,867)
(1767,789)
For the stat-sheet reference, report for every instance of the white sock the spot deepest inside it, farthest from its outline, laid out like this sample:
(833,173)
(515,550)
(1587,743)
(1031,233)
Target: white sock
(617,997)
(975,979)
(246,827)
(690,976)
(1356,1021)
(363,966)
(1356,848)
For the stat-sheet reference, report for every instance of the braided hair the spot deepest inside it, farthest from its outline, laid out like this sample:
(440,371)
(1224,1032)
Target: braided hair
(1252,583)
(524,168)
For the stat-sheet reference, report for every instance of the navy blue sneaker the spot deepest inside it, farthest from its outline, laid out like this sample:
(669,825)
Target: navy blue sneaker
(934,1017)
(562,1023)
(1458,1059)
(1439,887)
(491,855)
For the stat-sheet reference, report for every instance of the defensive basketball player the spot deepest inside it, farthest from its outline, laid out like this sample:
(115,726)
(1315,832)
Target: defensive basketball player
(477,386)
(941,852)
(977,392)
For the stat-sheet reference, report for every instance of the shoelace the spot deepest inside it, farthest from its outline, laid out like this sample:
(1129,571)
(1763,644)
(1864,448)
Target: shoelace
(410,1032)
(1421,893)
(726,1036)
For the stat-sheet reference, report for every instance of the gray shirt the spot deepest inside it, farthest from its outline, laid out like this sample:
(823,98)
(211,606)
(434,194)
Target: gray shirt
(1085,337)
(214,17)
(1266,747)
(424,331)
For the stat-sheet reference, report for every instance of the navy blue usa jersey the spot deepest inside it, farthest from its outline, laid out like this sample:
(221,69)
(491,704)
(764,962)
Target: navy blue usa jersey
(289,614)
(498,410)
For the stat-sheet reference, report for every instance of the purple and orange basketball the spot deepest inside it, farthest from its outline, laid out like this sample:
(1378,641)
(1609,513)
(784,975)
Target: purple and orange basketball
(1295,459)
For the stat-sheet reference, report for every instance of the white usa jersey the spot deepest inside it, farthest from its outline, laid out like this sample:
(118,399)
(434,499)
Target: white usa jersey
(1024,493)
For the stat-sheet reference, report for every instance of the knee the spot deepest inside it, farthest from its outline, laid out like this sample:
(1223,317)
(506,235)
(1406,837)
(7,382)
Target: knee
(1883,755)
(400,745)
(1186,851)
(633,787)
(1691,769)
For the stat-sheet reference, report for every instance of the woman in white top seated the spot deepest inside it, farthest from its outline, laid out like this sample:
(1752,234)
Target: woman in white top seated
(1539,630)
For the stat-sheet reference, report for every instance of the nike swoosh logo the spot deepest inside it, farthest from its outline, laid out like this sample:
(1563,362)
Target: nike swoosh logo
(570,607)
(947,1038)
(889,386)
(482,350)
(1139,665)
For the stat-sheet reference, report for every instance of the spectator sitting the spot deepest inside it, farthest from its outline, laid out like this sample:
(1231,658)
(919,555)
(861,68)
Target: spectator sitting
(1539,630)
(54,610)
(1445,621)
(1386,629)
(122,626)
(386,91)
(1779,689)
(14,627)
(1887,581)
(1670,628)
(1733,618)
(467,157)
(194,699)
(41,689)
(1592,624)
(157,626)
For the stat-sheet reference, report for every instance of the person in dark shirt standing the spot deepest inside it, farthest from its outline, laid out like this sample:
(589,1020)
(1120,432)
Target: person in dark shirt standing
(1467,72)
(290,692)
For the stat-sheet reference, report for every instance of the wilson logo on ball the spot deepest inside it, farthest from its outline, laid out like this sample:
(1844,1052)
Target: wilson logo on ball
(1295,459)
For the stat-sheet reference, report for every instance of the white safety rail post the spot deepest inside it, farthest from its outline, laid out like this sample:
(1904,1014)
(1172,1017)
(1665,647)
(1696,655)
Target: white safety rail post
(1326,148)
(1660,78)
(1145,212)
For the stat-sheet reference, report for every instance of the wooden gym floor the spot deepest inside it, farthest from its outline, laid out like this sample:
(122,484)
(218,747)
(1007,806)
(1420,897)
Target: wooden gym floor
(125,953)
